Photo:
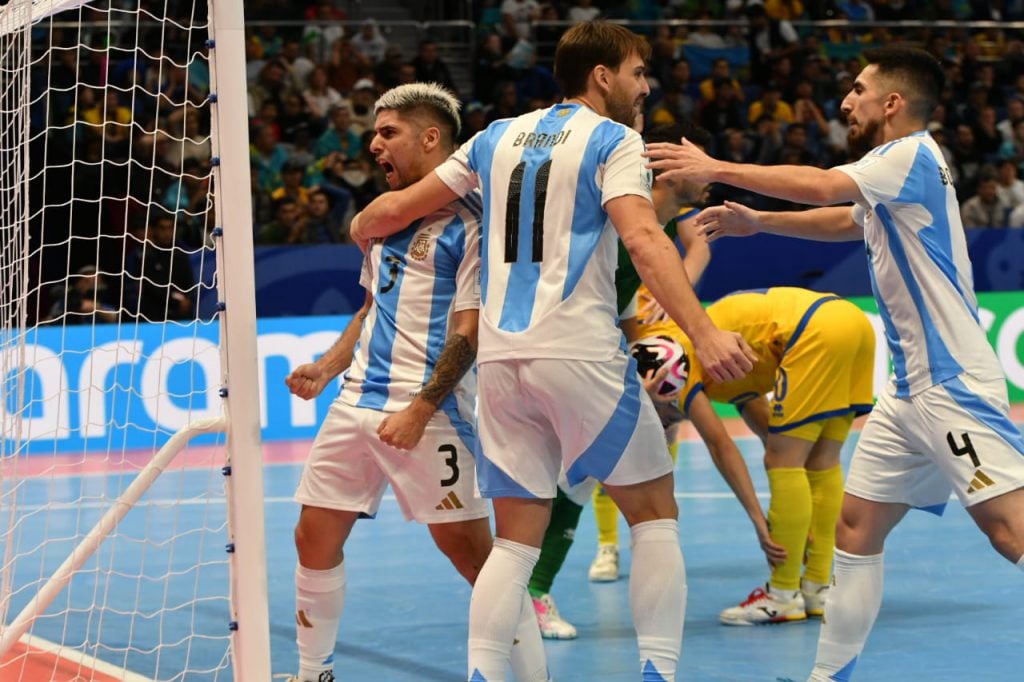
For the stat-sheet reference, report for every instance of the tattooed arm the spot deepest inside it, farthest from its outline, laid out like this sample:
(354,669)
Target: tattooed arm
(404,429)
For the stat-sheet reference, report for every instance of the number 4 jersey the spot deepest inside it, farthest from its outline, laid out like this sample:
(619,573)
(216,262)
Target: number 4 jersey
(548,250)
(418,278)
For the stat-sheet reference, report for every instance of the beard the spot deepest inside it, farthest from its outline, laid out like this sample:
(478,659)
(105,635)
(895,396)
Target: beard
(864,141)
(621,109)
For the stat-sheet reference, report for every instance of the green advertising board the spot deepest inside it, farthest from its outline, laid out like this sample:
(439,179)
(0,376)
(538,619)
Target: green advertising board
(1002,315)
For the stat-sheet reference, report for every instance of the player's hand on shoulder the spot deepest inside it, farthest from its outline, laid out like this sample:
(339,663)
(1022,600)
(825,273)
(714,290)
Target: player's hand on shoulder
(684,161)
(728,220)
(306,381)
(404,429)
(725,355)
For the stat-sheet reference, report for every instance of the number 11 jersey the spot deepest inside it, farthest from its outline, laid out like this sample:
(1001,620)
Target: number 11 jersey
(548,250)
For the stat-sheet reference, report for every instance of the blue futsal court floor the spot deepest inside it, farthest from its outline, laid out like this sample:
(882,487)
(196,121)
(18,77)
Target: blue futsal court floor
(953,609)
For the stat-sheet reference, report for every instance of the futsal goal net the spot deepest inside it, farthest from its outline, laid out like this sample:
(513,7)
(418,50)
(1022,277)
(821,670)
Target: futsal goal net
(131,518)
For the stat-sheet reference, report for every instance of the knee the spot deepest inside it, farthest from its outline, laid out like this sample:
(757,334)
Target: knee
(1005,540)
(855,538)
(466,550)
(311,547)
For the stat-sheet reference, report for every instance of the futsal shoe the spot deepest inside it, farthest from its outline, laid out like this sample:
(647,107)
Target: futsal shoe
(815,595)
(762,607)
(605,568)
(551,623)
(325,676)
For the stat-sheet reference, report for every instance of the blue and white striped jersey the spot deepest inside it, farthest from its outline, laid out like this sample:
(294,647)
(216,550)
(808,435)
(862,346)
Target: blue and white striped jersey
(418,278)
(920,270)
(548,250)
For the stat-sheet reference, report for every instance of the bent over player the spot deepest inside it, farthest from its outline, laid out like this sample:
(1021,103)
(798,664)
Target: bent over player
(556,388)
(816,359)
(943,423)
(402,415)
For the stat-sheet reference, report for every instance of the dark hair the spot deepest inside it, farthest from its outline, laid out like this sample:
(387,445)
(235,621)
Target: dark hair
(917,75)
(590,44)
(672,132)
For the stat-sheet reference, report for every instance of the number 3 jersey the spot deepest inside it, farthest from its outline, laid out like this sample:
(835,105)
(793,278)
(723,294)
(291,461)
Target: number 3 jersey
(548,250)
(418,278)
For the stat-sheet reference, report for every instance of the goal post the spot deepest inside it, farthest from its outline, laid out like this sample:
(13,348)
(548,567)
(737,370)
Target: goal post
(131,492)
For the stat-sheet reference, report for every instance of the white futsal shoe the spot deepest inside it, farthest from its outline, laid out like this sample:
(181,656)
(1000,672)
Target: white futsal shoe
(762,607)
(552,625)
(815,595)
(605,568)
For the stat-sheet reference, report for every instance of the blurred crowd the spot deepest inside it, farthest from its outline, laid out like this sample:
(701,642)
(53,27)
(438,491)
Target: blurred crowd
(767,84)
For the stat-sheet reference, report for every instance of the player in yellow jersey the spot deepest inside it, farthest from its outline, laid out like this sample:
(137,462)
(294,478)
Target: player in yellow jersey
(817,362)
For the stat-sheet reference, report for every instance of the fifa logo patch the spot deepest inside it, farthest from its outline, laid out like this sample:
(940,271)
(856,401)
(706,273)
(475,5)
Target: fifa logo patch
(420,246)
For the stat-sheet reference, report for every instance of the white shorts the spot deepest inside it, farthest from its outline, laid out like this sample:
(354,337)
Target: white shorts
(954,436)
(536,417)
(349,468)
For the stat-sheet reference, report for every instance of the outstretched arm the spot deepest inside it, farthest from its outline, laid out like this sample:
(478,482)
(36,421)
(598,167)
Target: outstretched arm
(730,464)
(392,212)
(725,355)
(800,184)
(829,224)
(404,429)
(309,380)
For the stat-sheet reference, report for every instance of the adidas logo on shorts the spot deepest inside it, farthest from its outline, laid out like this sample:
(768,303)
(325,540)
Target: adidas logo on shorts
(450,502)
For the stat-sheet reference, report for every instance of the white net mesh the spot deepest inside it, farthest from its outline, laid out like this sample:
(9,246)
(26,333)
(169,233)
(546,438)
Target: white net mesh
(109,338)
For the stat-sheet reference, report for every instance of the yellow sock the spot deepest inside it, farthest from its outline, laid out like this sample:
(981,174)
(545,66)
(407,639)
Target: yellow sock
(673,450)
(789,517)
(826,501)
(606,514)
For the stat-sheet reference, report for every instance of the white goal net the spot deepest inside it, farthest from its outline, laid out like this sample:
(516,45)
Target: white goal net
(117,538)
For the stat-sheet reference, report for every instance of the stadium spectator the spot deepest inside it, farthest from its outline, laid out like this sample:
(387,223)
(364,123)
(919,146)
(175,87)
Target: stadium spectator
(339,137)
(474,119)
(431,68)
(1010,187)
(292,175)
(986,208)
(346,66)
(583,10)
(771,104)
(720,68)
(326,216)
(516,19)
(369,42)
(84,299)
(967,155)
(723,111)
(159,282)
(268,155)
(363,95)
(490,67)
(320,96)
(297,65)
(388,70)
(769,39)
(288,226)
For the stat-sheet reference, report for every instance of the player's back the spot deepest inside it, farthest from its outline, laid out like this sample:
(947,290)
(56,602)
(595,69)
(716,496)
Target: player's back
(549,251)
(418,278)
(919,265)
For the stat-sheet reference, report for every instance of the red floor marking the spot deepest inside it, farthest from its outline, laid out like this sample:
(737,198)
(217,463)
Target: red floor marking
(24,663)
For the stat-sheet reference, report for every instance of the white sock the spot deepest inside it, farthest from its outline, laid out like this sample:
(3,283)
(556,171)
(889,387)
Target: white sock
(319,599)
(529,662)
(850,612)
(1020,563)
(496,607)
(657,597)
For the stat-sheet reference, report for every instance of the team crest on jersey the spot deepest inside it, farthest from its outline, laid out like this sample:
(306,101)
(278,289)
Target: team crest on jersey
(420,246)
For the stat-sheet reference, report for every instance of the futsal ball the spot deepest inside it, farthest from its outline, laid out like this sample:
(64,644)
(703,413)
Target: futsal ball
(653,352)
